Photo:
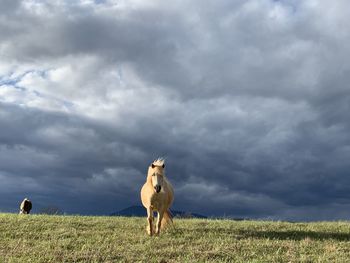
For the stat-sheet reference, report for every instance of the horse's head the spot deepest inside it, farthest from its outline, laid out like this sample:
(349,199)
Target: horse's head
(156,174)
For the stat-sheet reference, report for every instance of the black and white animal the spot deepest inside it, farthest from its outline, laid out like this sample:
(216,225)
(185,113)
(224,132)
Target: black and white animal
(25,206)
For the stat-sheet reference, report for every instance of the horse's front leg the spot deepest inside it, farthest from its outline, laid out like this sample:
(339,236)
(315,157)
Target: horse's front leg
(159,221)
(150,221)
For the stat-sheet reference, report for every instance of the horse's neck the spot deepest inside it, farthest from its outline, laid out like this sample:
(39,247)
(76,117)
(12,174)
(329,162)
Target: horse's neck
(149,181)
(165,180)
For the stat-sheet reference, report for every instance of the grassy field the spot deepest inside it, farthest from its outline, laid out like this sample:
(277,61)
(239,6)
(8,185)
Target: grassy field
(40,238)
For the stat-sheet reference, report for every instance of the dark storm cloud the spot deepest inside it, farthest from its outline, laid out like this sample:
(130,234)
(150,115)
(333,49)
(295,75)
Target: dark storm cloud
(54,155)
(247,100)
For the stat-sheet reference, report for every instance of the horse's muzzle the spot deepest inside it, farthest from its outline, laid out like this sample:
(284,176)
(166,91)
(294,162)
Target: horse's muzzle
(157,188)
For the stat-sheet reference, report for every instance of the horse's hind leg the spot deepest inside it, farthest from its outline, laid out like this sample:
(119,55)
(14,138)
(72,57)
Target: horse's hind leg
(150,221)
(159,221)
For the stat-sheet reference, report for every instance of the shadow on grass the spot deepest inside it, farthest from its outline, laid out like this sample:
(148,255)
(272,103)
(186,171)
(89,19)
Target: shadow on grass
(295,235)
(267,234)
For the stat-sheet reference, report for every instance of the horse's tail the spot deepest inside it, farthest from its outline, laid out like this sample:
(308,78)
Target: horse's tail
(167,219)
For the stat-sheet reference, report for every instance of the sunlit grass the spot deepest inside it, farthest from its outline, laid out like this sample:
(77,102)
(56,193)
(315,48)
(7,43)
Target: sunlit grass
(42,238)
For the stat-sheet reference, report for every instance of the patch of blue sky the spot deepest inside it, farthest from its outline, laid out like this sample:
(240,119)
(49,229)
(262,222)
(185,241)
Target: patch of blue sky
(10,82)
(12,79)
(66,104)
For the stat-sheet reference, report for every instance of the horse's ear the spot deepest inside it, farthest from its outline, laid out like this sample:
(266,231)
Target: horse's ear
(153,165)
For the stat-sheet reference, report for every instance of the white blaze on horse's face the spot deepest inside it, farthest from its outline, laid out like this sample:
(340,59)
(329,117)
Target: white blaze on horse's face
(157,177)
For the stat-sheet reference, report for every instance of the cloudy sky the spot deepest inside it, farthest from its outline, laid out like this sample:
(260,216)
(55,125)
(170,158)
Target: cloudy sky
(248,101)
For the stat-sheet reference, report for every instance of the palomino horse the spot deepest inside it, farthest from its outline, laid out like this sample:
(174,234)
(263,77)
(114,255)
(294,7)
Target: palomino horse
(157,194)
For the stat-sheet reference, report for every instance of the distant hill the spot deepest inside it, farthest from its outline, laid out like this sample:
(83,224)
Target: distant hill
(140,211)
(135,210)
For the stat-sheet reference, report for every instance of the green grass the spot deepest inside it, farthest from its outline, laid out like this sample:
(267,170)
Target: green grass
(42,238)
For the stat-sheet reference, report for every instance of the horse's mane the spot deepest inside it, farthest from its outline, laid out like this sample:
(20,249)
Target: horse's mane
(159,161)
